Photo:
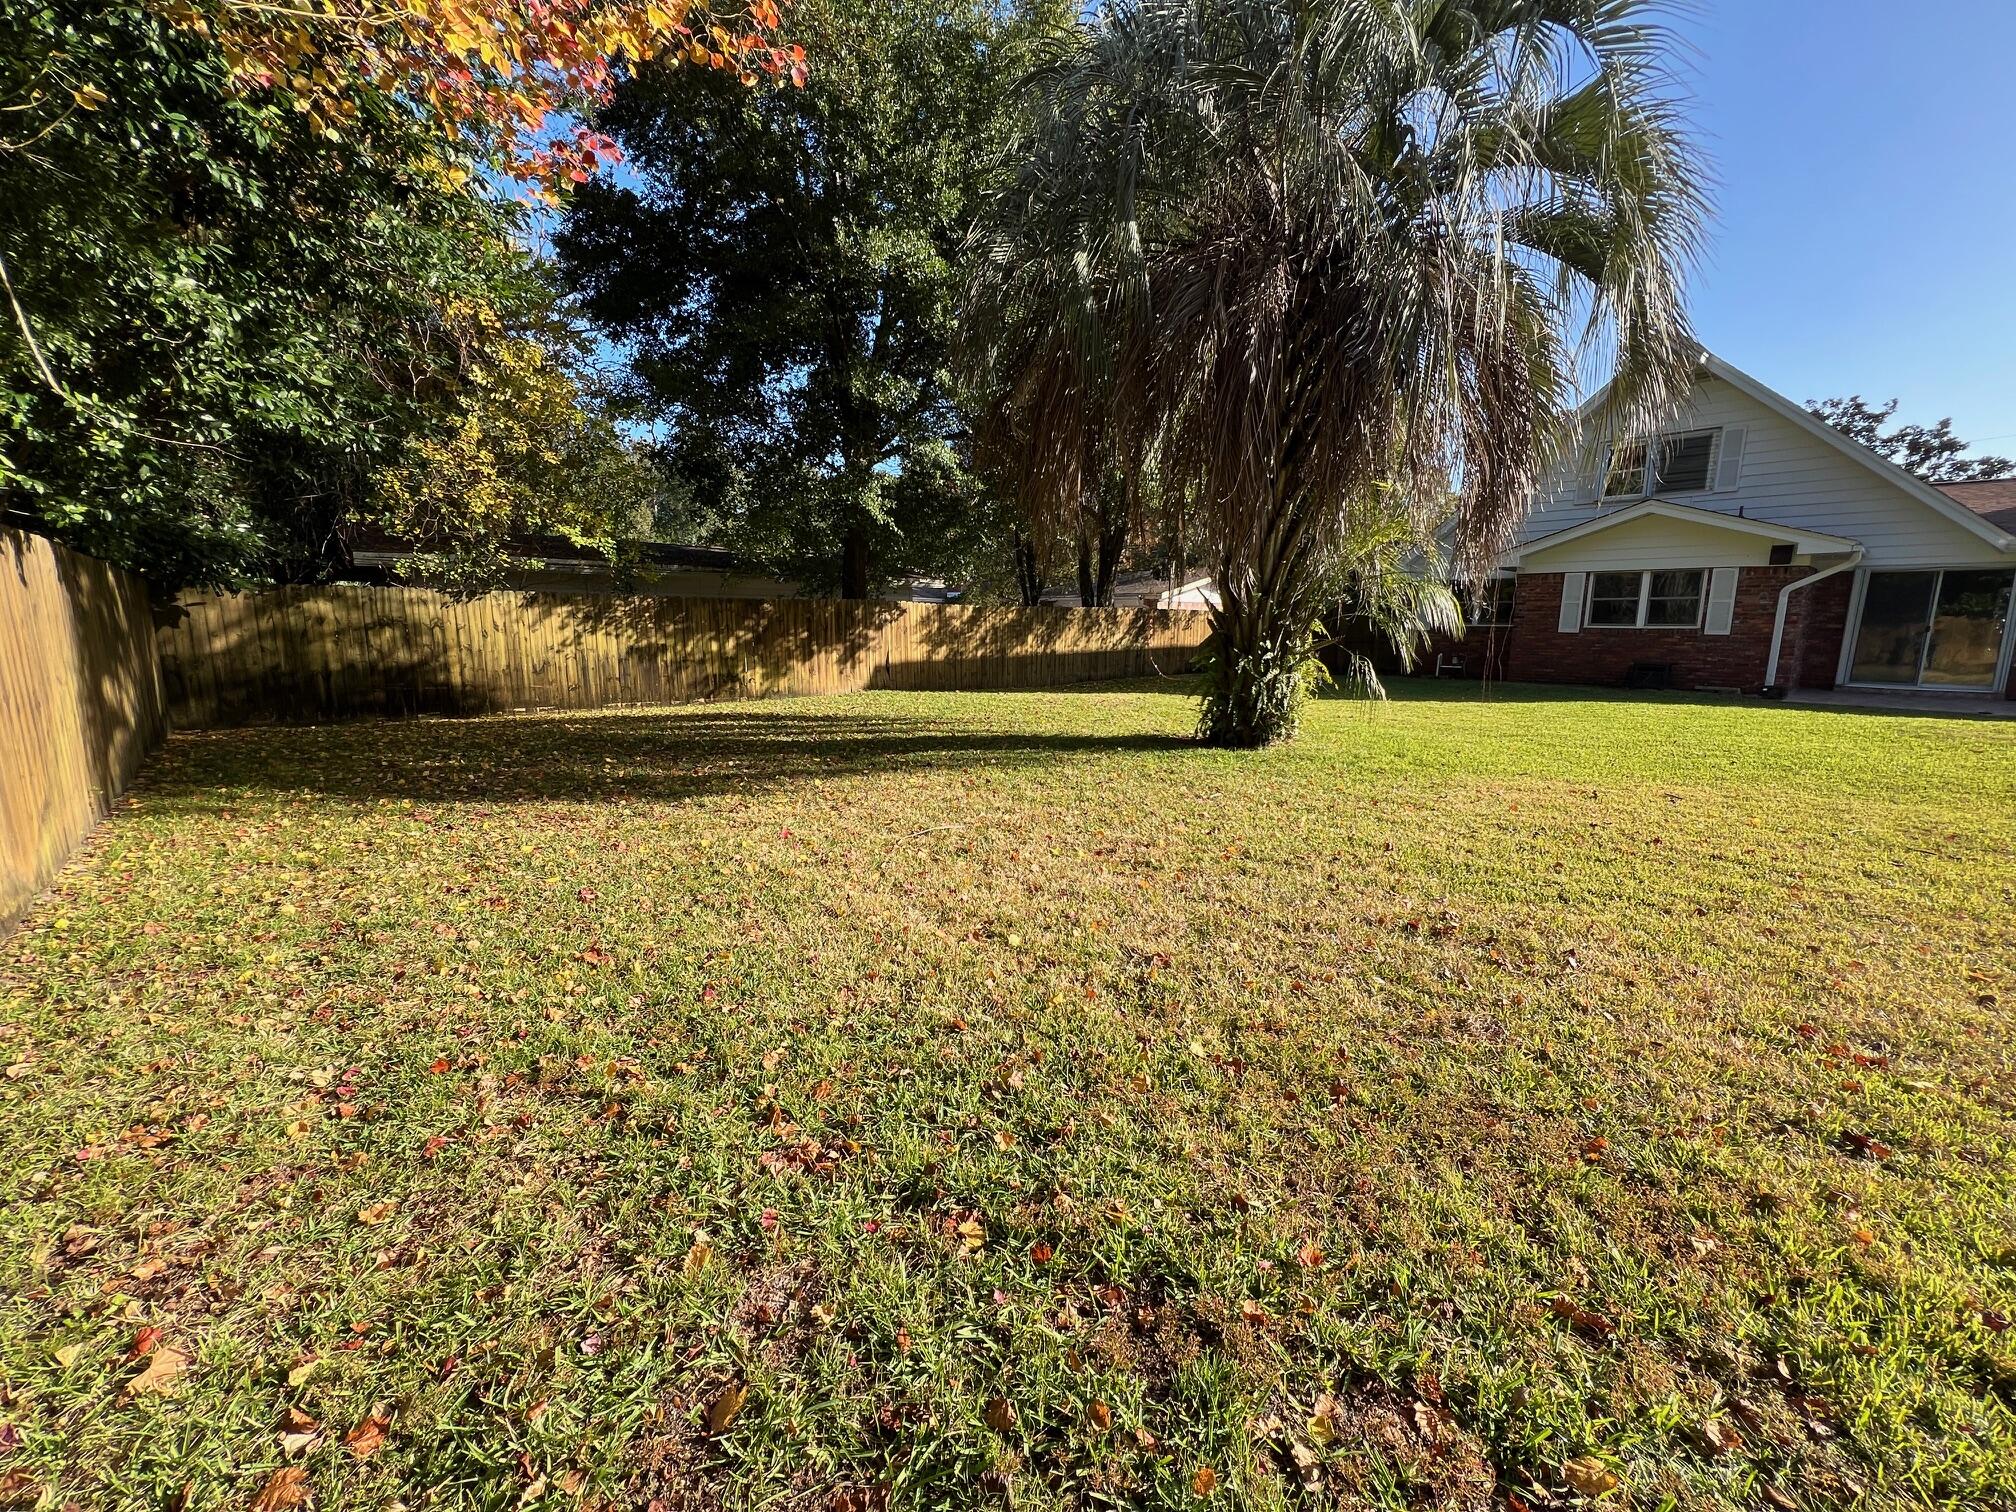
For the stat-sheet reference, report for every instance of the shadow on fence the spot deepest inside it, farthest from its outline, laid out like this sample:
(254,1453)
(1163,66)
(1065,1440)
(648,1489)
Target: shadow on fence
(312,654)
(80,703)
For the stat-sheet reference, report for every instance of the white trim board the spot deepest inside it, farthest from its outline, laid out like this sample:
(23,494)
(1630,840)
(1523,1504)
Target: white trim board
(1803,542)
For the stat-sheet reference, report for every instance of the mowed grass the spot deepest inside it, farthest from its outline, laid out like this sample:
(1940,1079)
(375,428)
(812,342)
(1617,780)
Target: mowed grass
(994,1100)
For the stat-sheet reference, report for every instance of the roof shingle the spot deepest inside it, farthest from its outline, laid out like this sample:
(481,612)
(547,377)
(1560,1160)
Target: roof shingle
(1994,499)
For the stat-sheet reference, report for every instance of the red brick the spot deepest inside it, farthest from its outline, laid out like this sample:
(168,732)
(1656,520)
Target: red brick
(1538,651)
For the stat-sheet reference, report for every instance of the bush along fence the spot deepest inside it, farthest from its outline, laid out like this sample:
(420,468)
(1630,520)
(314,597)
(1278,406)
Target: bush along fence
(339,652)
(80,703)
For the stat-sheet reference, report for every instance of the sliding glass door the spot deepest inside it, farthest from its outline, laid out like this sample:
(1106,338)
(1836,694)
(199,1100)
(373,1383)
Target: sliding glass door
(1932,629)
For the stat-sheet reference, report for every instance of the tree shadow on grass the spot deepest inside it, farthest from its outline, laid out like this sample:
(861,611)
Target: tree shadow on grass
(656,757)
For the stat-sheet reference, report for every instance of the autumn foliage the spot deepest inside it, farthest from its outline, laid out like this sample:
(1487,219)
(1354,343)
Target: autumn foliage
(491,73)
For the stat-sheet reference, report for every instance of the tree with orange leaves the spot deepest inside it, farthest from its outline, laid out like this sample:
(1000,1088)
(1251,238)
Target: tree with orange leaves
(490,74)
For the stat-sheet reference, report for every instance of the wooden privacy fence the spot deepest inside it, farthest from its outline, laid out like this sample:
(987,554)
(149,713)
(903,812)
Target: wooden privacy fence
(80,703)
(338,652)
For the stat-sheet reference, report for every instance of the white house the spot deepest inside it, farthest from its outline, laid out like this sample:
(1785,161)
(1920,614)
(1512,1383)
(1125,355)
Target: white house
(1751,546)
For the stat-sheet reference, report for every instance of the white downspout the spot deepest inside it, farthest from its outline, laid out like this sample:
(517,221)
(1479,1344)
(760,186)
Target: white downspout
(1771,688)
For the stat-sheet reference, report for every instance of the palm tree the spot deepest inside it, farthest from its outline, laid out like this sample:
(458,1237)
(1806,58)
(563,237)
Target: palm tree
(1319,255)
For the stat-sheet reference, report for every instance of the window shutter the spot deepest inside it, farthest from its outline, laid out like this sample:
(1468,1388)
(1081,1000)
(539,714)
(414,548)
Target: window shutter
(1572,585)
(1729,465)
(1586,486)
(1721,601)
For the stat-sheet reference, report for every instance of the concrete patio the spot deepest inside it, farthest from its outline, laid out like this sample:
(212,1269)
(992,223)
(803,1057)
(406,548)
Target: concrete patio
(1970,705)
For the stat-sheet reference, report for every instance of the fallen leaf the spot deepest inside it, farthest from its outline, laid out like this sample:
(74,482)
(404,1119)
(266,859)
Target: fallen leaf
(1589,1475)
(698,1256)
(368,1437)
(145,1341)
(1100,1416)
(298,1431)
(285,1488)
(1205,1481)
(377,1212)
(1721,1437)
(1309,1257)
(1582,1318)
(67,1355)
(1000,1414)
(1322,1424)
(163,1366)
(722,1410)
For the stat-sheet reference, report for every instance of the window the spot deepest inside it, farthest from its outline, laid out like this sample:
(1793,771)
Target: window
(1490,604)
(1685,464)
(1613,597)
(1646,600)
(1626,476)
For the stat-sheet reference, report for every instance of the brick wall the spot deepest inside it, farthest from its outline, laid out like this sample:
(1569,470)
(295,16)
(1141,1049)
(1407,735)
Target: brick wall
(1540,652)
(1814,625)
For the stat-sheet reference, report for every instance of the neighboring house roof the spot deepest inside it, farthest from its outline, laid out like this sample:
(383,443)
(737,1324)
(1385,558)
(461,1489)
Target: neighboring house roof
(1967,518)
(1994,499)
(1805,542)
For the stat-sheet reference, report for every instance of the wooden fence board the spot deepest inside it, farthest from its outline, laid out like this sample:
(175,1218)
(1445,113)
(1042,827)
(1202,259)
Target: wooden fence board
(303,654)
(81,702)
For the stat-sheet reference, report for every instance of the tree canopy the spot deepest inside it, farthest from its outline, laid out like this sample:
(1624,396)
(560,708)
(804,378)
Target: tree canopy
(260,281)
(1932,452)
(780,269)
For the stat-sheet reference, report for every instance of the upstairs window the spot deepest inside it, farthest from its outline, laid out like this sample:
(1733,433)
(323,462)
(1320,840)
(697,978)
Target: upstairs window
(1625,478)
(1687,462)
(1683,462)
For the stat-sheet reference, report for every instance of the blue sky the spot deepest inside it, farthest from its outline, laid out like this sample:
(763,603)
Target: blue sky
(1866,232)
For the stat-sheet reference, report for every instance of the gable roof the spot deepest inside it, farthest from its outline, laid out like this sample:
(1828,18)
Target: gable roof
(1808,542)
(1975,522)
(1994,499)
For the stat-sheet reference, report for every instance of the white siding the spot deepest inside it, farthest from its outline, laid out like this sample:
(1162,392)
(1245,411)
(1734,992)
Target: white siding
(1790,478)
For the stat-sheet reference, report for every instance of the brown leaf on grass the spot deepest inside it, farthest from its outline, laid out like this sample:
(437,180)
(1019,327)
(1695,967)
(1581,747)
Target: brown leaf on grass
(698,1256)
(1309,1257)
(368,1437)
(376,1212)
(145,1341)
(163,1366)
(1100,1416)
(298,1431)
(1720,1437)
(722,1410)
(285,1489)
(1205,1481)
(1000,1414)
(1580,1317)
(1590,1476)
(1862,1144)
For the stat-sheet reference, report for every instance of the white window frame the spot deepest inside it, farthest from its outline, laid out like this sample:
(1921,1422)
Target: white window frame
(1655,447)
(1644,598)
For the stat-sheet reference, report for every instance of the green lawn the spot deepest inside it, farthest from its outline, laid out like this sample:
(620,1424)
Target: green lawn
(992,1100)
